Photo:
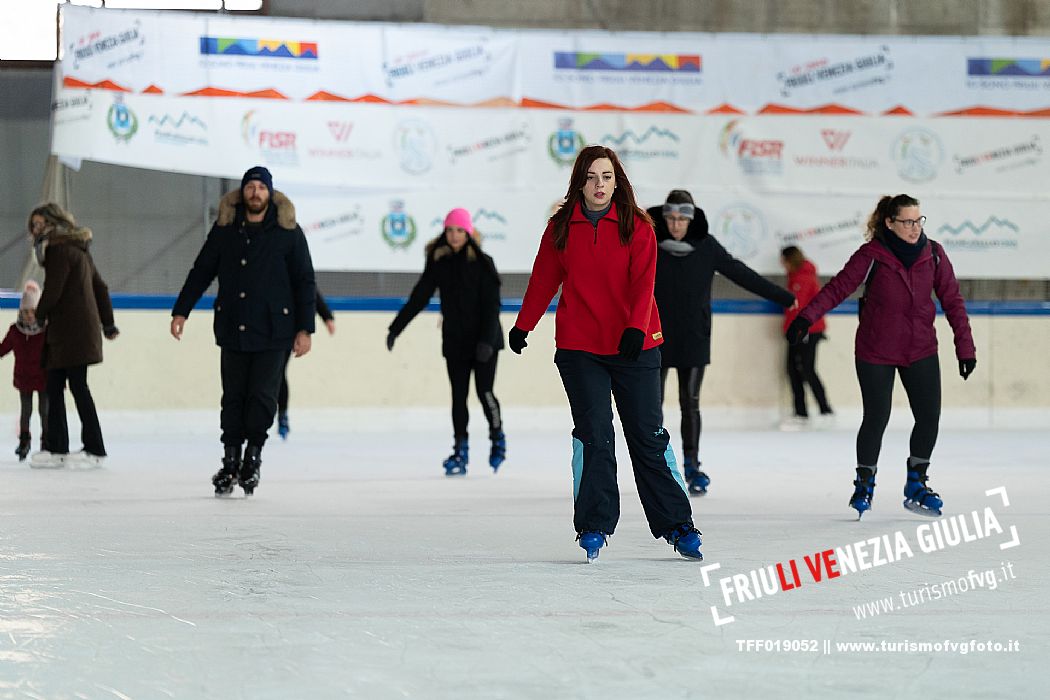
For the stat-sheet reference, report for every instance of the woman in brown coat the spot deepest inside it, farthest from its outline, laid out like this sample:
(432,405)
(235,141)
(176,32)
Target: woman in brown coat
(76,307)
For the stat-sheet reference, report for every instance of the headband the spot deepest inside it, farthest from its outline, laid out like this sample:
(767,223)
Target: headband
(687,210)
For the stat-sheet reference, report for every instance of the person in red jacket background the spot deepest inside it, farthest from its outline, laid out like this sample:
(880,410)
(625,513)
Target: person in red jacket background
(599,247)
(902,270)
(802,358)
(25,338)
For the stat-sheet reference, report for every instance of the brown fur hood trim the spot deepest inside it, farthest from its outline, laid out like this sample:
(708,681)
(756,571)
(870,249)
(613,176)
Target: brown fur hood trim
(61,234)
(285,209)
(439,248)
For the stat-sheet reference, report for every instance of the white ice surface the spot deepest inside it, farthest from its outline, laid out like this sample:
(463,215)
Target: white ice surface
(358,570)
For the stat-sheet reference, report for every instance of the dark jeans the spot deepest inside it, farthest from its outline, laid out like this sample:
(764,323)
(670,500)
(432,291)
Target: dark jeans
(26,398)
(57,427)
(249,394)
(459,370)
(690,380)
(802,370)
(922,382)
(635,385)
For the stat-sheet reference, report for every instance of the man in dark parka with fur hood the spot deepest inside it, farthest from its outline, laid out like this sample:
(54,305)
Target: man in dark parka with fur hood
(263,309)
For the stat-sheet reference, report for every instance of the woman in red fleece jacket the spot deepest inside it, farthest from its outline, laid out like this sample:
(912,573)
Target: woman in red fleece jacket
(599,247)
(802,358)
(902,270)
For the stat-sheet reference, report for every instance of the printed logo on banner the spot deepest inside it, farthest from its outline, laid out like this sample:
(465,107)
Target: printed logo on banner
(72,108)
(502,145)
(755,156)
(113,48)
(491,225)
(338,226)
(440,67)
(416,145)
(741,228)
(995,232)
(986,73)
(654,143)
(918,153)
(856,73)
(824,235)
(1004,158)
(565,143)
(340,133)
(184,130)
(834,156)
(122,121)
(635,62)
(397,227)
(276,146)
(259,48)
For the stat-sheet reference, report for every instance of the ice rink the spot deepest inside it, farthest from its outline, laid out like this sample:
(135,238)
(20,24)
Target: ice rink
(359,570)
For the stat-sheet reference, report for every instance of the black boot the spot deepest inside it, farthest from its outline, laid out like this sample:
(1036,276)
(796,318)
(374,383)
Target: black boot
(226,478)
(24,440)
(250,469)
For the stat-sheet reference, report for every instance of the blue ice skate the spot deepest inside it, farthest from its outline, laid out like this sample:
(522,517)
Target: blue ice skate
(592,542)
(697,480)
(282,426)
(456,464)
(863,493)
(498,453)
(918,497)
(686,541)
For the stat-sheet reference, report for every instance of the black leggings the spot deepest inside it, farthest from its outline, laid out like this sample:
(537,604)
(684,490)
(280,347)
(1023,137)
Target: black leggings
(922,382)
(27,412)
(282,393)
(802,370)
(459,370)
(57,427)
(690,380)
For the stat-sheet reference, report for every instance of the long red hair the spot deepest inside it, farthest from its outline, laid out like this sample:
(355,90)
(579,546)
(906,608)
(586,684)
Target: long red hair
(626,208)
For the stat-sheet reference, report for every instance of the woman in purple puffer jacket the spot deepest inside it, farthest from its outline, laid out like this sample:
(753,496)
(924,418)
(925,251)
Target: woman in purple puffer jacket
(902,270)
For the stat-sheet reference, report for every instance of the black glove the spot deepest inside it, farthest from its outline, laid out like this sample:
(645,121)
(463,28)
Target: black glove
(631,343)
(797,331)
(516,340)
(390,338)
(110,332)
(966,367)
(484,352)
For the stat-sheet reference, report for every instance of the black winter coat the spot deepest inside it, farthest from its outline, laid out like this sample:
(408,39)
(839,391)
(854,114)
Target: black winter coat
(470,303)
(266,278)
(683,290)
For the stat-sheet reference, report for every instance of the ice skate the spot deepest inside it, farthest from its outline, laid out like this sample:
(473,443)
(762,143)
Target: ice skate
(918,497)
(47,460)
(226,478)
(795,424)
(249,474)
(696,480)
(498,453)
(22,450)
(591,542)
(456,464)
(686,541)
(282,426)
(86,460)
(864,491)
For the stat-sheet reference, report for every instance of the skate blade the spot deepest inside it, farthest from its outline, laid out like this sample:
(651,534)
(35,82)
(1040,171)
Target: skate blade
(922,510)
(592,560)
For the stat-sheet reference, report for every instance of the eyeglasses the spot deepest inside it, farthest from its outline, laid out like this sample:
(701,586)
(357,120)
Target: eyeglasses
(911,223)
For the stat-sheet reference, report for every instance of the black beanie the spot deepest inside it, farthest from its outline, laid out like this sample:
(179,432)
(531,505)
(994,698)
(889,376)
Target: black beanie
(258,173)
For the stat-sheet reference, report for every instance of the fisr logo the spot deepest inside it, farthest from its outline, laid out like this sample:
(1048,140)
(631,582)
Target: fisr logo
(835,139)
(277,140)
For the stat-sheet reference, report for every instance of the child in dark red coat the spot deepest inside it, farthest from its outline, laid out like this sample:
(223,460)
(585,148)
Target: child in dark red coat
(26,340)
(802,358)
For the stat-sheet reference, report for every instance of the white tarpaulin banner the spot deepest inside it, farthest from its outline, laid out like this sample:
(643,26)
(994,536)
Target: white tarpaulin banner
(781,139)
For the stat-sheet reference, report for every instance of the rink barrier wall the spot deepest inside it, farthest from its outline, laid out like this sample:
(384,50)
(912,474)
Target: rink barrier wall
(9,300)
(145,369)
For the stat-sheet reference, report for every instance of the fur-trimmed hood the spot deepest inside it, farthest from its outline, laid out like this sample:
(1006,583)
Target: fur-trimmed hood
(63,234)
(439,248)
(231,200)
